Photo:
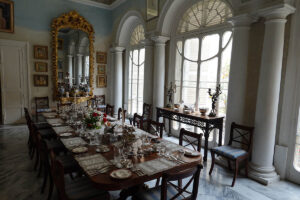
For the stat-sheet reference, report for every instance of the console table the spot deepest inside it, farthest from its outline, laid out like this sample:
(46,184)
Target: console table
(205,123)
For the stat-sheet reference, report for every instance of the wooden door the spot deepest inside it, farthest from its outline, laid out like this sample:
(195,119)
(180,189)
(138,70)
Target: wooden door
(14,81)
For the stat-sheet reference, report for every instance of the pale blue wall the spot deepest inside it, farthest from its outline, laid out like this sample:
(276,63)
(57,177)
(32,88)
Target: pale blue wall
(38,14)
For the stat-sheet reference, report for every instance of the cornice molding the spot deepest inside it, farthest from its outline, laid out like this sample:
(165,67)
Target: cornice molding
(279,11)
(100,5)
(243,20)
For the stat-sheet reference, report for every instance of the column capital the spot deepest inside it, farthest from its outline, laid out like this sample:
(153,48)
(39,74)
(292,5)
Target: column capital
(243,20)
(70,56)
(276,13)
(160,40)
(117,49)
(147,42)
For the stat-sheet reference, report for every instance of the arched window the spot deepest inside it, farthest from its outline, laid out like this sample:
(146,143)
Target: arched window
(136,71)
(203,53)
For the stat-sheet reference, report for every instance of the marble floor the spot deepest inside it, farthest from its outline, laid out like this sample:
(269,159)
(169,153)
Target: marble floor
(18,181)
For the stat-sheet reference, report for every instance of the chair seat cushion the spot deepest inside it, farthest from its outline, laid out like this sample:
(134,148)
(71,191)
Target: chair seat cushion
(229,151)
(68,162)
(47,133)
(43,110)
(155,194)
(83,189)
(55,145)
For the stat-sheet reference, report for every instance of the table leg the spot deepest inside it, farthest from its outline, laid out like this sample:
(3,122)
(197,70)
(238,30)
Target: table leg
(124,194)
(206,136)
(220,134)
(170,128)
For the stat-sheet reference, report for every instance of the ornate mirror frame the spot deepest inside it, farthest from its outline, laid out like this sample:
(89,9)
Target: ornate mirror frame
(75,21)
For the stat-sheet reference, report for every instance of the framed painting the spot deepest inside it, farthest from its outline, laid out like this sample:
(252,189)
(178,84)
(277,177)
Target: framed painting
(101,69)
(6,16)
(101,57)
(101,81)
(40,80)
(60,43)
(40,52)
(41,66)
(152,9)
(60,75)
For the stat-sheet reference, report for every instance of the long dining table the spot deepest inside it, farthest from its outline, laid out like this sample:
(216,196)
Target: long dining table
(130,185)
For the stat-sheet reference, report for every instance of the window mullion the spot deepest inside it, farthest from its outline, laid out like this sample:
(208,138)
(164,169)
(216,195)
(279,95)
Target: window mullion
(219,63)
(182,61)
(131,81)
(138,82)
(198,73)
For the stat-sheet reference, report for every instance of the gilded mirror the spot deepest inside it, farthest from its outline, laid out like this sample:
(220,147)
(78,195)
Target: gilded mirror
(72,57)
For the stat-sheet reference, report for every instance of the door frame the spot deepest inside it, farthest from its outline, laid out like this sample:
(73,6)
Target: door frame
(26,73)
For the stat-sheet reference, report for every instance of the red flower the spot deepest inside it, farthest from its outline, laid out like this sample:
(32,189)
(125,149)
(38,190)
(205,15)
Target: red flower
(98,109)
(95,114)
(104,120)
(89,125)
(105,115)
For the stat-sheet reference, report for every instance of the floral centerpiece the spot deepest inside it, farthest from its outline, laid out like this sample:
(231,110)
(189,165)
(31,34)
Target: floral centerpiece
(95,120)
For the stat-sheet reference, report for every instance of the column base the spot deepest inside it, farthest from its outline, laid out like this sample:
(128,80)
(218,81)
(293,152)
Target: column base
(264,175)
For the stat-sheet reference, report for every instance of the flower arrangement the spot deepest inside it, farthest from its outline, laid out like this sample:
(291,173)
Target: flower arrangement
(94,120)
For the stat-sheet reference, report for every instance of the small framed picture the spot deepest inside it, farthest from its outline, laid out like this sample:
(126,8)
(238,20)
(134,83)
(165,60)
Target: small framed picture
(60,43)
(40,52)
(40,80)
(101,81)
(101,57)
(6,16)
(152,9)
(60,64)
(41,67)
(60,75)
(101,69)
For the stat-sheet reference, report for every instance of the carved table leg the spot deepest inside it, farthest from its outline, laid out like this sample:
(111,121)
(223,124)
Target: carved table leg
(206,136)
(124,194)
(170,128)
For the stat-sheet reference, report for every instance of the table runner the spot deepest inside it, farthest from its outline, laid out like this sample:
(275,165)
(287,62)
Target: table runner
(70,143)
(62,129)
(90,163)
(55,121)
(155,166)
(49,115)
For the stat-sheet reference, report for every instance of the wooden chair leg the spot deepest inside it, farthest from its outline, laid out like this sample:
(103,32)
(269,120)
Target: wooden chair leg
(36,160)
(180,183)
(50,188)
(246,167)
(236,172)
(229,164)
(45,180)
(32,153)
(212,162)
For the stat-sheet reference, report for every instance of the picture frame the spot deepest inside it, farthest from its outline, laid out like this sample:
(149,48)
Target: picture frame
(60,64)
(41,67)
(40,80)
(60,75)
(101,81)
(101,69)
(152,9)
(101,57)
(6,16)
(60,43)
(40,52)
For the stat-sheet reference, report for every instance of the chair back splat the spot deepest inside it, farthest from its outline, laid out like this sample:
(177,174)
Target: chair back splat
(241,135)
(110,110)
(195,142)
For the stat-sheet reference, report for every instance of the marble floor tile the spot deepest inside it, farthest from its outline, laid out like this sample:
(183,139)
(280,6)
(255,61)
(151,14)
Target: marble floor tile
(18,181)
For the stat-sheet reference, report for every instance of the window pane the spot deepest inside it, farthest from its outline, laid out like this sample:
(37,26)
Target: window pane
(189,82)
(191,49)
(209,74)
(141,89)
(178,63)
(225,65)
(129,83)
(297,147)
(142,56)
(210,46)
(226,37)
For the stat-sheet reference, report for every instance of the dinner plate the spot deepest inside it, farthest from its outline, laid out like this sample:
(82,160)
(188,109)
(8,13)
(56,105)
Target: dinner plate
(192,153)
(65,134)
(80,150)
(121,174)
(102,149)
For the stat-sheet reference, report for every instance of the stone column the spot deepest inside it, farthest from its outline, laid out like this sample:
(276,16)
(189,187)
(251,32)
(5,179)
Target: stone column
(238,72)
(70,69)
(159,72)
(78,69)
(262,168)
(148,72)
(117,54)
(83,69)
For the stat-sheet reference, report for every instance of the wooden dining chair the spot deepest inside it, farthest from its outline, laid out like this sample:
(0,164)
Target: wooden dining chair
(169,190)
(155,128)
(192,139)
(120,113)
(109,110)
(41,105)
(146,115)
(78,189)
(99,102)
(242,136)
